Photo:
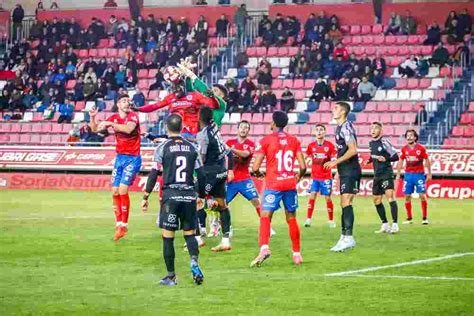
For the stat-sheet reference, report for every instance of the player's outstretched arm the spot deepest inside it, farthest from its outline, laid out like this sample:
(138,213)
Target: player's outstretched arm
(429,176)
(93,122)
(156,106)
(302,164)
(124,128)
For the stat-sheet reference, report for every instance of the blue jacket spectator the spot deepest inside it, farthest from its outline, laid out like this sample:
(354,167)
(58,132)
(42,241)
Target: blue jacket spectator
(66,110)
(139,98)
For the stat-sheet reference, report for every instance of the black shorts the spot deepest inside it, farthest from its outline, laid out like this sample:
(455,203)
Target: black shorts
(178,210)
(216,183)
(349,184)
(381,185)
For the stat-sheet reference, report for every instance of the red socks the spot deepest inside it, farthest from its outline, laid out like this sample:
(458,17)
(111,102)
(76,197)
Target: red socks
(258,208)
(330,208)
(310,211)
(264,233)
(408,208)
(125,201)
(117,208)
(424,209)
(294,231)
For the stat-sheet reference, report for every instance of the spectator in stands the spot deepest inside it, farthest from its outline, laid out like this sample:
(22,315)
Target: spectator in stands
(379,64)
(264,78)
(433,35)
(310,22)
(240,19)
(138,98)
(230,83)
(232,100)
(66,111)
(287,100)
(201,2)
(461,54)
(29,99)
(421,115)
(248,86)
(302,67)
(242,58)
(407,69)
(278,21)
(365,90)
(329,67)
(264,63)
(200,30)
(342,89)
(263,23)
(221,26)
(112,26)
(465,21)
(355,72)
(455,32)
(54,6)
(110,4)
(36,30)
(79,89)
(394,23)
(292,26)
(5,100)
(317,66)
(440,56)
(320,91)
(323,20)
(268,36)
(335,34)
(90,74)
(377,79)
(408,24)
(245,101)
(281,35)
(315,34)
(90,89)
(451,16)
(18,15)
(422,67)
(267,102)
(340,50)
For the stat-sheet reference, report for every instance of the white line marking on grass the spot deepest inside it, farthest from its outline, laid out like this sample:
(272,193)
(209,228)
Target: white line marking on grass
(68,217)
(416,277)
(376,268)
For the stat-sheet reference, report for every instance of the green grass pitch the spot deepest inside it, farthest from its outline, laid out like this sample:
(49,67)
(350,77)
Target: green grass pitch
(57,257)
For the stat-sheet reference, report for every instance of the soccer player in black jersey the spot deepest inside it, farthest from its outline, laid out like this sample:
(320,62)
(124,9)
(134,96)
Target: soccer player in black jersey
(216,170)
(177,159)
(349,171)
(382,154)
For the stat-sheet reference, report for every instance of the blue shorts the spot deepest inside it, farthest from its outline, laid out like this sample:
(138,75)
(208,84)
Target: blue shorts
(272,198)
(245,187)
(412,181)
(126,169)
(322,186)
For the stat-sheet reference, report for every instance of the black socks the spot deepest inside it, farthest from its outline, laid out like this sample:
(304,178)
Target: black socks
(192,245)
(225,222)
(347,220)
(394,211)
(381,211)
(169,254)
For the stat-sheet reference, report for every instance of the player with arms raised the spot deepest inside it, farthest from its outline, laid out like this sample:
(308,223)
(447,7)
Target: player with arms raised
(280,150)
(128,161)
(349,171)
(382,154)
(416,159)
(178,159)
(320,152)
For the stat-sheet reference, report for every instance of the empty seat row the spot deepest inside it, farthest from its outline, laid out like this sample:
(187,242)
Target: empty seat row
(459,131)
(401,95)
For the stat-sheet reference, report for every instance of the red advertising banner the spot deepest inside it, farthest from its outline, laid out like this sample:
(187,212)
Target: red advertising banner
(444,162)
(450,189)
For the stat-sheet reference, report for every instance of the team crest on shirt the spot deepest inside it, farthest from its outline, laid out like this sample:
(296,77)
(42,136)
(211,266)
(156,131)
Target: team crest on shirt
(189,97)
(418,152)
(380,148)
(283,142)
(326,149)
(172,218)
(270,198)
(208,187)
(246,146)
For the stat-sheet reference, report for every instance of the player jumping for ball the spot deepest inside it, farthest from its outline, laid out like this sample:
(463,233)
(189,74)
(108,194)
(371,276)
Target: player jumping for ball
(128,161)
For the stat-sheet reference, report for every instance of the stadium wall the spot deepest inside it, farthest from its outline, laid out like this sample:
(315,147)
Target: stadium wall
(20,161)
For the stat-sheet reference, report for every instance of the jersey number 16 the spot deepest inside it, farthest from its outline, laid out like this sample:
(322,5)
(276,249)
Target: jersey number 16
(285,160)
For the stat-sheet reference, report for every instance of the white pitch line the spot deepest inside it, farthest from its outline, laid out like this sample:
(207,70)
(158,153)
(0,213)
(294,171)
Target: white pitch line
(376,268)
(65,217)
(416,277)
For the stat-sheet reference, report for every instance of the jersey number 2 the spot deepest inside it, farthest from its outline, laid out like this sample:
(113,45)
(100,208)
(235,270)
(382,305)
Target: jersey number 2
(180,170)
(285,160)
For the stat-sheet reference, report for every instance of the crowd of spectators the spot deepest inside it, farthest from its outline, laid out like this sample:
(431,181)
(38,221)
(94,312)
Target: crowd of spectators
(40,79)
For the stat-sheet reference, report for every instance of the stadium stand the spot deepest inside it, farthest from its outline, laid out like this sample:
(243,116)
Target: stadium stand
(397,107)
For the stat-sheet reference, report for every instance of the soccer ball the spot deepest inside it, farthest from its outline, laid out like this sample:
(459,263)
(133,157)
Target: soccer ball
(171,74)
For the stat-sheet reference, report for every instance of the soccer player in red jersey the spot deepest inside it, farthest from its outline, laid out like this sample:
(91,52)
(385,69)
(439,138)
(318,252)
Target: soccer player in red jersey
(187,105)
(416,159)
(280,150)
(128,161)
(320,152)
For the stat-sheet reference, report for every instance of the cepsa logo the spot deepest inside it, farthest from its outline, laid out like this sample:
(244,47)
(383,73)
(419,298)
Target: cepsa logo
(19,156)
(85,156)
